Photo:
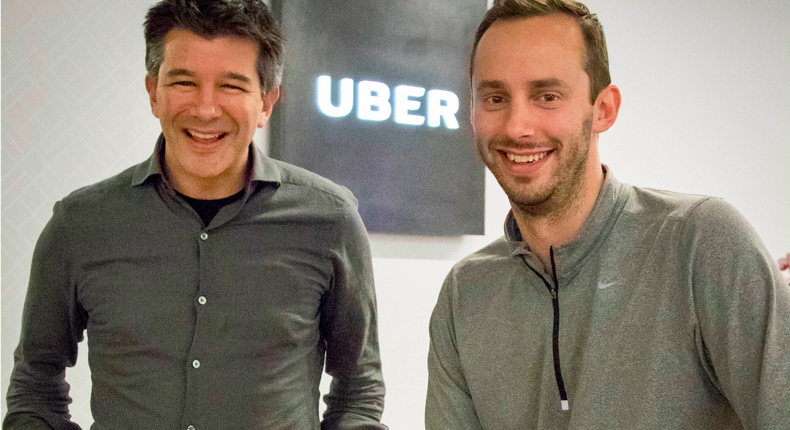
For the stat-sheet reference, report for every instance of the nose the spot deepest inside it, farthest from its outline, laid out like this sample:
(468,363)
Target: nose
(520,121)
(206,107)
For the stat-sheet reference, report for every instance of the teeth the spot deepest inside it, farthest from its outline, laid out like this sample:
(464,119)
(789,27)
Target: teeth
(526,158)
(204,136)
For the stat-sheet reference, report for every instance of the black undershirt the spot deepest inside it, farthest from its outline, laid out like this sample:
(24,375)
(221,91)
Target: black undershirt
(207,209)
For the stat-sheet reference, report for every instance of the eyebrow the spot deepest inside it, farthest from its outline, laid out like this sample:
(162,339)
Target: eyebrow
(179,72)
(542,84)
(238,77)
(229,75)
(539,84)
(490,85)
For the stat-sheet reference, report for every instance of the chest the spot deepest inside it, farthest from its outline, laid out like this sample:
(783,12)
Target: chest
(240,280)
(627,336)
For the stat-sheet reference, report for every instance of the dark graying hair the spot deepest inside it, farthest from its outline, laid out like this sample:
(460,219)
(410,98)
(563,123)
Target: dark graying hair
(597,58)
(250,19)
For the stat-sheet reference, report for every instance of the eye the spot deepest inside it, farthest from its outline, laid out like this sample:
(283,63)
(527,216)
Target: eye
(494,101)
(182,84)
(550,98)
(234,88)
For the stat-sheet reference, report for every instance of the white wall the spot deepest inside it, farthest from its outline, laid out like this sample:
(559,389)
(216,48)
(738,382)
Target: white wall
(706,110)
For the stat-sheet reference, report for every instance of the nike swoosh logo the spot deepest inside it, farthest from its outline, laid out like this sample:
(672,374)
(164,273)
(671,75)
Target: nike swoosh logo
(602,286)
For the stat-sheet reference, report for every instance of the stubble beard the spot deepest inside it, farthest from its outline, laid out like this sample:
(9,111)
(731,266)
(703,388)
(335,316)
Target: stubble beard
(560,195)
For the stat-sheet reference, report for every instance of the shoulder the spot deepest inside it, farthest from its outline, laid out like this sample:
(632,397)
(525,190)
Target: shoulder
(716,224)
(476,284)
(87,210)
(700,219)
(314,189)
(695,212)
(102,195)
(482,267)
(655,203)
(491,254)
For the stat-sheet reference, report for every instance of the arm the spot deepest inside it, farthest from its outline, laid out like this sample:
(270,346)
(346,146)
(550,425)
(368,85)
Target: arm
(743,312)
(449,403)
(38,395)
(348,324)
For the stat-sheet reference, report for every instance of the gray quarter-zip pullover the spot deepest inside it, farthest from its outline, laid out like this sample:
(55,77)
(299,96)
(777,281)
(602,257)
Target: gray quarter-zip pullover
(666,312)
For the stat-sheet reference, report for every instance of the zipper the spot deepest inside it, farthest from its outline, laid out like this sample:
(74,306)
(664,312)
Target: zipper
(555,340)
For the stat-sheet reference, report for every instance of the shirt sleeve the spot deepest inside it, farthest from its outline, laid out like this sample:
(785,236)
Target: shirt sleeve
(349,326)
(743,315)
(449,402)
(52,325)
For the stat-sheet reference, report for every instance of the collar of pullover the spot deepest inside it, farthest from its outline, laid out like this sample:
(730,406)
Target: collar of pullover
(570,257)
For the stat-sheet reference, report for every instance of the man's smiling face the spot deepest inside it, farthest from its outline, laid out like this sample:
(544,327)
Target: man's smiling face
(209,102)
(531,110)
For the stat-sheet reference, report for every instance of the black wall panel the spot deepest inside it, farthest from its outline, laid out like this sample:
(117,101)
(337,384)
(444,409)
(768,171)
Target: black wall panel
(410,179)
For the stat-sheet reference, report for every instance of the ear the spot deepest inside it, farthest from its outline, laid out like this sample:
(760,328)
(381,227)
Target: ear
(472,112)
(605,110)
(269,99)
(150,87)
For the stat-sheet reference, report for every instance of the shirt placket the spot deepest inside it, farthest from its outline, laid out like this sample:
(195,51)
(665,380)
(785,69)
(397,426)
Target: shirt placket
(198,362)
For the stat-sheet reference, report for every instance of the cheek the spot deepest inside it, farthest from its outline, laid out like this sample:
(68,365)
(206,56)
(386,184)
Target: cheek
(172,103)
(561,124)
(160,106)
(487,123)
(247,112)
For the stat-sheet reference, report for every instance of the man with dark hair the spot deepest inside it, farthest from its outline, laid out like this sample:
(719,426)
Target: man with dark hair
(214,282)
(604,306)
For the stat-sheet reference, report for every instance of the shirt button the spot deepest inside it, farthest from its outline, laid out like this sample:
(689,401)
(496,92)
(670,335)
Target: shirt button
(195,364)
(204,235)
(190,427)
(202,300)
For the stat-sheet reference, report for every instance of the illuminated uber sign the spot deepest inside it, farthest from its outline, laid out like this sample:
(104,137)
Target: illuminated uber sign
(373,102)
(375,98)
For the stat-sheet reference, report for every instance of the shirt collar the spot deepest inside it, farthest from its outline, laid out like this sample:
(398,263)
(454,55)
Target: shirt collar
(264,168)
(595,229)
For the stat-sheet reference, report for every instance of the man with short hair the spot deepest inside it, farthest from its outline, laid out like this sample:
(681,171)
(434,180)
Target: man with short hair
(604,306)
(214,282)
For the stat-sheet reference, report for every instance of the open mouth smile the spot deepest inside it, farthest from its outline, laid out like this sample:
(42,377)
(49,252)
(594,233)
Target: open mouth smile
(531,158)
(205,137)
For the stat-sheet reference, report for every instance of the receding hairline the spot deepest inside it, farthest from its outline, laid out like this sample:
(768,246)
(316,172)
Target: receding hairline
(579,36)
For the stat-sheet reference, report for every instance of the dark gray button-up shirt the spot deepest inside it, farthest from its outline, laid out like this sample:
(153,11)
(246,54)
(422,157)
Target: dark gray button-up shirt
(225,326)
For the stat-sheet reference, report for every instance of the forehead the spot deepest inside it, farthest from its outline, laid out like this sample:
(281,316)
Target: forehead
(530,46)
(185,49)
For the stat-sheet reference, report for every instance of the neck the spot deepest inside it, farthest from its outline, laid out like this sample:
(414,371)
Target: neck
(217,187)
(208,190)
(227,183)
(542,232)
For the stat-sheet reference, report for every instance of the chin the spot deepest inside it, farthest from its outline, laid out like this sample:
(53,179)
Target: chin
(532,198)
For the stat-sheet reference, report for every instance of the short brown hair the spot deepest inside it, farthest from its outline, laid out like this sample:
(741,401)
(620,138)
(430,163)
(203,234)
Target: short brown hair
(597,58)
